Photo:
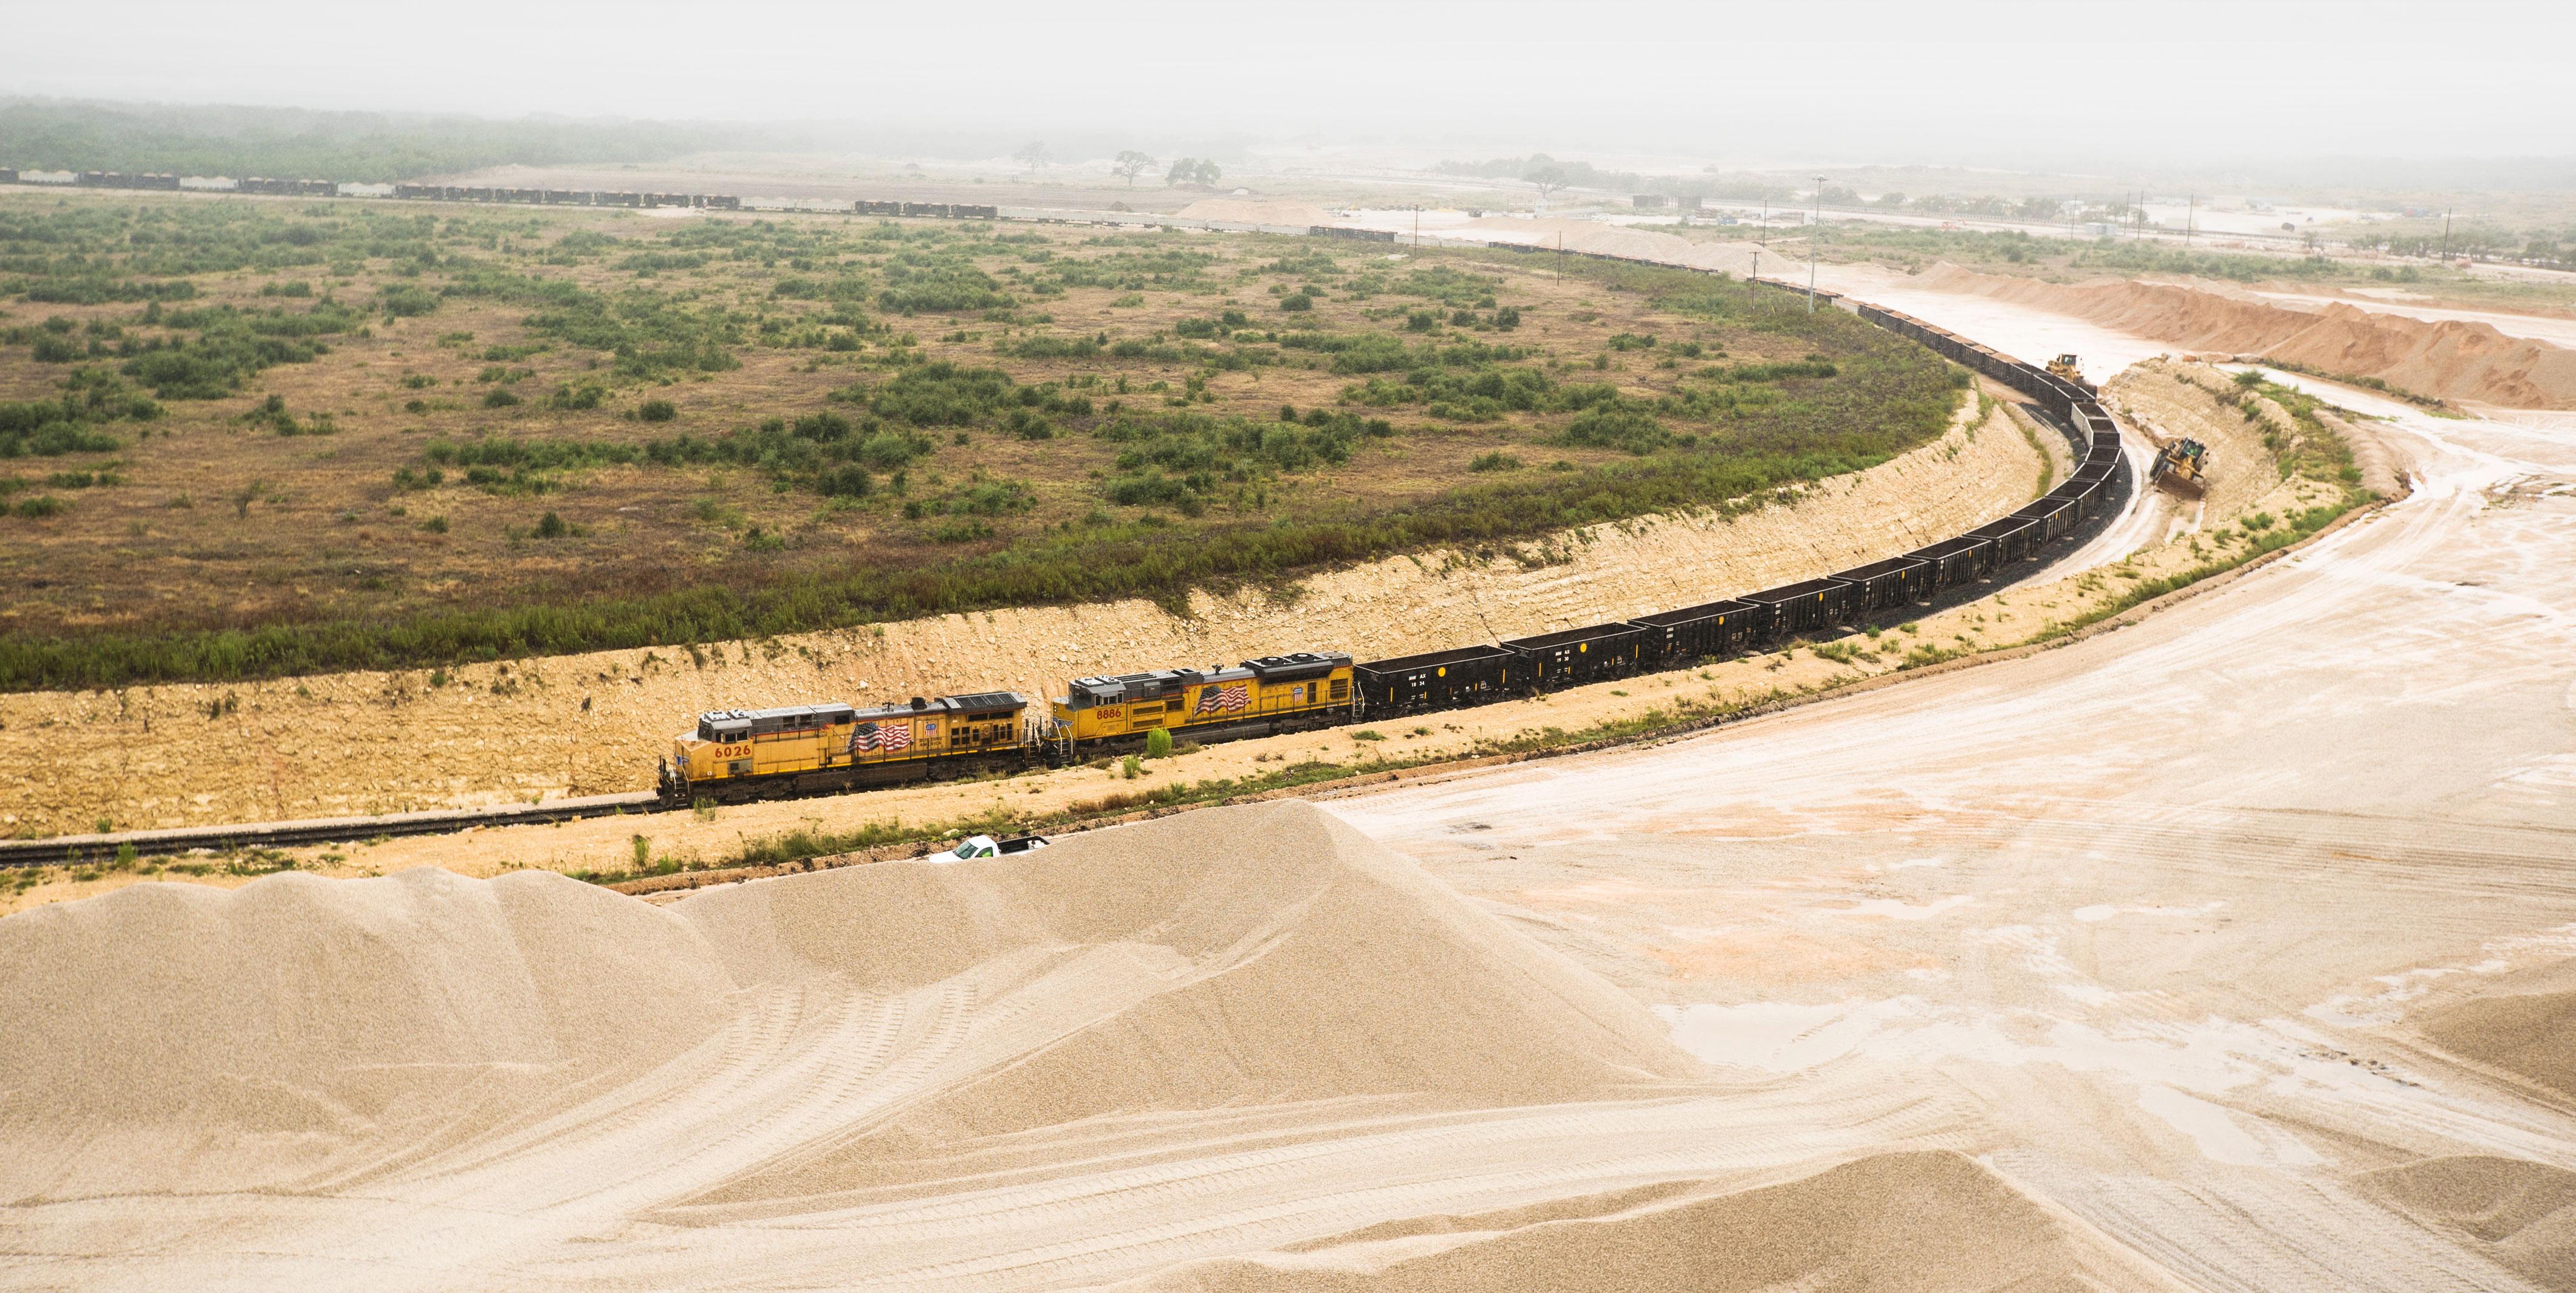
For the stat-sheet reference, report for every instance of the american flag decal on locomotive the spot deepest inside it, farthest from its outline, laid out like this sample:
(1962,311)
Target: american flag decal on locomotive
(868,738)
(1226,699)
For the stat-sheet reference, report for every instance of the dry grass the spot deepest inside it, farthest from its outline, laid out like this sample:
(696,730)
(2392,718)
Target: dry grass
(221,522)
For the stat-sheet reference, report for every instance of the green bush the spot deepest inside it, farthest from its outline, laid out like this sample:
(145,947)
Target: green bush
(1616,428)
(501,398)
(657,411)
(42,506)
(551,526)
(1158,744)
(402,300)
(1495,461)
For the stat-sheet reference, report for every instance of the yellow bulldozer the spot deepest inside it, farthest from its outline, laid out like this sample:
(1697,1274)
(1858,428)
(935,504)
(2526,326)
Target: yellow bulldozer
(2182,467)
(2064,366)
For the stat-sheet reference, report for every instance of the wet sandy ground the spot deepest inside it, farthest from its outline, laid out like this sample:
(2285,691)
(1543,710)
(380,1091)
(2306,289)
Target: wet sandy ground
(2150,913)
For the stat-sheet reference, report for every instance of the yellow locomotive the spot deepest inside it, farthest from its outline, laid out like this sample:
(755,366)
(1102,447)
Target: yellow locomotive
(739,754)
(735,755)
(1277,693)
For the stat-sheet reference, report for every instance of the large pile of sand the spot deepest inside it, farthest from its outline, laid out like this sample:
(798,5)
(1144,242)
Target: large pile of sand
(1241,1048)
(1928,1220)
(179,1037)
(2523,1023)
(1261,956)
(2522,1215)
(2455,359)
(1258,211)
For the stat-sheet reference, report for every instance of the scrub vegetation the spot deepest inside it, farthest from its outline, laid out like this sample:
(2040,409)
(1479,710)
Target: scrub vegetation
(343,435)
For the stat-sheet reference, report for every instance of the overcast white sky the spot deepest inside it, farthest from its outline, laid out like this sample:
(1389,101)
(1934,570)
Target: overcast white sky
(1944,81)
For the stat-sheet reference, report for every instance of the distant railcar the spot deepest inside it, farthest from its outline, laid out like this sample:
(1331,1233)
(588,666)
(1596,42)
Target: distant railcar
(1701,632)
(1808,605)
(1572,657)
(1448,679)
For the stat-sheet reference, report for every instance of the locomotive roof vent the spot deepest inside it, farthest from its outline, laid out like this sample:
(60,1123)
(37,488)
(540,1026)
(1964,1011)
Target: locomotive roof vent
(919,703)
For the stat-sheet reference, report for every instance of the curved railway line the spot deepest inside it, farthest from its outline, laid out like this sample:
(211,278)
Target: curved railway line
(2020,544)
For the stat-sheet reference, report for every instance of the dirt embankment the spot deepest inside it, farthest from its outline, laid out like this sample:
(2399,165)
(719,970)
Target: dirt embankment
(595,723)
(2173,401)
(2454,359)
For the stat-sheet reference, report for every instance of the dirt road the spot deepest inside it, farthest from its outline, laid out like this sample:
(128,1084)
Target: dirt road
(2175,913)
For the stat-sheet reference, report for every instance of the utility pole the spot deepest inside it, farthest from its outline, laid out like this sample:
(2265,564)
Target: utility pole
(1811,276)
(1417,226)
(2446,237)
(1820,199)
(2190,216)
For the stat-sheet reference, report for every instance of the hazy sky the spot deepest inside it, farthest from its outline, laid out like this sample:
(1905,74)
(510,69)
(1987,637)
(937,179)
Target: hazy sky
(1969,81)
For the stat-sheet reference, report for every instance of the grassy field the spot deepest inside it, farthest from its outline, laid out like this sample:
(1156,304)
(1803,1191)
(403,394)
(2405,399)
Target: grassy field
(248,438)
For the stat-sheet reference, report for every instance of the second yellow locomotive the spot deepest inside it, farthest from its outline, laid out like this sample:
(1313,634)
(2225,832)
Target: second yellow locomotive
(1276,693)
(738,754)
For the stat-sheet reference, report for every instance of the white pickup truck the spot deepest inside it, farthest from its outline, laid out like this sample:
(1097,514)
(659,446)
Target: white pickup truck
(985,846)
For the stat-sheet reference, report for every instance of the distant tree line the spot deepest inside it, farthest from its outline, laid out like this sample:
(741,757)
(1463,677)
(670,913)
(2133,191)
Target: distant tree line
(1550,174)
(366,147)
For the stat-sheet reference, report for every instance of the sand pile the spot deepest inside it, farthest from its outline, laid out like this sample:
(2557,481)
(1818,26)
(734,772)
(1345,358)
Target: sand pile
(1262,955)
(2523,1023)
(2455,359)
(178,1037)
(1915,1221)
(1154,1049)
(2521,1215)
(1258,211)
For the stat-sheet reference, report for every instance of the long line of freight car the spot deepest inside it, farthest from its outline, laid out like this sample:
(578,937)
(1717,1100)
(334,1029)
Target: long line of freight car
(1750,621)
(742,754)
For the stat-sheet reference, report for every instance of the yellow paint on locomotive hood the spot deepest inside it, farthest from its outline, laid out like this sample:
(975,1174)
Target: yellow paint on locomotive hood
(806,738)
(1179,700)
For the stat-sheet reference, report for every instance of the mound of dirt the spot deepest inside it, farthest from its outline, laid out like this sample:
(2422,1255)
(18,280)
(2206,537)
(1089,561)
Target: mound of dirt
(177,1037)
(1258,211)
(2453,358)
(2523,1023)
(1930,1220)
(1263,955)
(2521,1215)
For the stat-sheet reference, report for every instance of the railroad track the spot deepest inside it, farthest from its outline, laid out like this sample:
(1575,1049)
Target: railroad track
(319,830)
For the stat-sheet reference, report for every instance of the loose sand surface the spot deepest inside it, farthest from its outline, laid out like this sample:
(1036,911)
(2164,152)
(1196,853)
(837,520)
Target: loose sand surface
(2246,932)
(593,724)
(1243,1048)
